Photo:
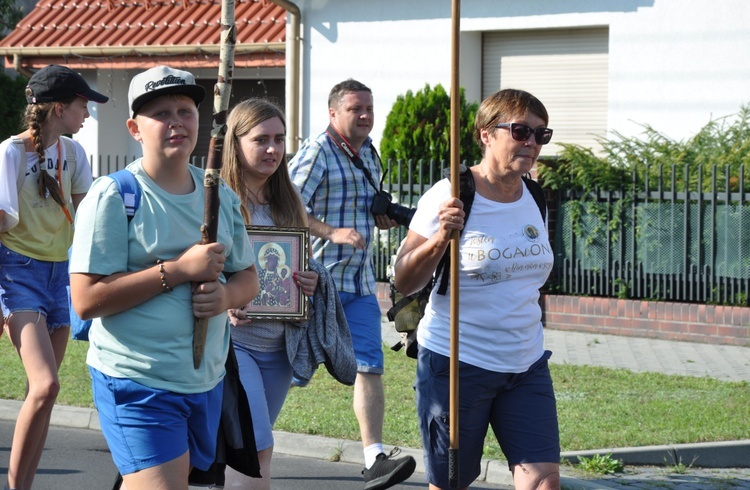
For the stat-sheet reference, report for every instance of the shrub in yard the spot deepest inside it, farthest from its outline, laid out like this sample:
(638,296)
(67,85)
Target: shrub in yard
(418,129)
(717,152)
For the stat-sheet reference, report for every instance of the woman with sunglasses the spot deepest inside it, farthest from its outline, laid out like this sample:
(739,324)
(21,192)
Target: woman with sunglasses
(505,257)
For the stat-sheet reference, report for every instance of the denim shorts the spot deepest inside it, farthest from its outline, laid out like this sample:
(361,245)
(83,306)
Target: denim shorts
(364,318)
(36,286)
(145,427)
(520,408)
(266,377)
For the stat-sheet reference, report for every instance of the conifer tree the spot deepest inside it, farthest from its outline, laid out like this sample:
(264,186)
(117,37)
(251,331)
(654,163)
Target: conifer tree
(418,130)
(12,95)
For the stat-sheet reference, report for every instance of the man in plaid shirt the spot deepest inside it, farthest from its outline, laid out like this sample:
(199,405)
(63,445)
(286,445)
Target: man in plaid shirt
(338,196)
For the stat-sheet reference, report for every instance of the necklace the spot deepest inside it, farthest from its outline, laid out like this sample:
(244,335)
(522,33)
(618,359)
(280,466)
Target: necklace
(256,198)
(498,197)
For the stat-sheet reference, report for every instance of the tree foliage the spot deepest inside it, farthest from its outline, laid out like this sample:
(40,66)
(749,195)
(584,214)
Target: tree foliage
(418,130)
(12,104)
(10,14)
(719,151)
(12,98)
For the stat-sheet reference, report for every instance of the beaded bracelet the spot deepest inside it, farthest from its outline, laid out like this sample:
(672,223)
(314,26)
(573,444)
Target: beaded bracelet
(163,277)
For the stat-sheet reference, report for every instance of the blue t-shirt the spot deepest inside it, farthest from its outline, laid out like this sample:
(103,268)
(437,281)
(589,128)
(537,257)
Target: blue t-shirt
(151,343)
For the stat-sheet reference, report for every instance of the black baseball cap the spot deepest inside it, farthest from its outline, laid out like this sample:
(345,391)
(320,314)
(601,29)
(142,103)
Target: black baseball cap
(54,82)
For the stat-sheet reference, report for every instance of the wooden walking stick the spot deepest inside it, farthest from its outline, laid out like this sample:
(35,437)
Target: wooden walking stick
(222,91)
(453,460)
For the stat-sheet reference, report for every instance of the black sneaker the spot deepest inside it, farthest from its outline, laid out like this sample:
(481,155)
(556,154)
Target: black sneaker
(386,472)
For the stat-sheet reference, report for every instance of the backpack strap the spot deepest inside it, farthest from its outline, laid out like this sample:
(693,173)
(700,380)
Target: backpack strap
(466,195)
(468,190)
(129,189)
(538,194)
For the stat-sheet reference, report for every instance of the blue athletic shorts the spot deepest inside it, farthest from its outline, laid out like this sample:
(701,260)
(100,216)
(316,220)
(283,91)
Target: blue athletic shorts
(266,377)
(145,427)
(520,408)
(364,317)
(36,286)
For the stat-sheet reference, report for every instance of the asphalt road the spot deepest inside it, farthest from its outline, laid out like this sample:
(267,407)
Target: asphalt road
(79,458)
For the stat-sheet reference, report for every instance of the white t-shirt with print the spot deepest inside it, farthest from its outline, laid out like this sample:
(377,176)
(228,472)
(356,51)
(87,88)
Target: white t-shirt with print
(505,257)
(40,228)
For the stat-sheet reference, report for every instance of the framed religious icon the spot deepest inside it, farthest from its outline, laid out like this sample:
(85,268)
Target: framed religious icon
(279,252)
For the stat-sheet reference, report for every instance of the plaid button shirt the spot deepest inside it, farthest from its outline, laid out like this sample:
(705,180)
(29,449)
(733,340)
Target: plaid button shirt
(338,194)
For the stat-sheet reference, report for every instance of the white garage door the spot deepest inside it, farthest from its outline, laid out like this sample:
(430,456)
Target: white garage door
(565,68)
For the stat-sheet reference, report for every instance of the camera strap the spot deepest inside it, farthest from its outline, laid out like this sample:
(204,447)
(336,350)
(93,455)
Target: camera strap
(354,157)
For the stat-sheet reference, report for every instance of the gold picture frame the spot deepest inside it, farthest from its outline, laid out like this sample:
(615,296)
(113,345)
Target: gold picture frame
(279,297)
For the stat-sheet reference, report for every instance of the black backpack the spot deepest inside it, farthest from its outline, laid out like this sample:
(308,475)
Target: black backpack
(407,311)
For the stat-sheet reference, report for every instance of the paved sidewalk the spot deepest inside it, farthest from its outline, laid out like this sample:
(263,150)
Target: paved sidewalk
(723,362)
(726,464)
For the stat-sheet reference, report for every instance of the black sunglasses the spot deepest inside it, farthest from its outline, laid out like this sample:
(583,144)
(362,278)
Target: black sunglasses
(522,132)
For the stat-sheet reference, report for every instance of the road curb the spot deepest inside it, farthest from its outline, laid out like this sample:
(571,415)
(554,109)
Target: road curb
(493,471)
(725,454)
(62,415)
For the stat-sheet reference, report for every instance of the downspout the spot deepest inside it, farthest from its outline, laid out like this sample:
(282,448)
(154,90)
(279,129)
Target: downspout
(19,67)
(293,101)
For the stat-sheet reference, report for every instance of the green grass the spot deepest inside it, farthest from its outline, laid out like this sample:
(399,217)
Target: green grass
(74,375)
(601,464)
(598,408)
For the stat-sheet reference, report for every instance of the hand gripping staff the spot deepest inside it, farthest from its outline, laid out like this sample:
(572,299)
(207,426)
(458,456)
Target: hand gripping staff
(222,91)
(453,460)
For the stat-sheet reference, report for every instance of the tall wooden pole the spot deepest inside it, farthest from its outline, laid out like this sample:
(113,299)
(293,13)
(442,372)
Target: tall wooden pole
(453,459)
(222,91)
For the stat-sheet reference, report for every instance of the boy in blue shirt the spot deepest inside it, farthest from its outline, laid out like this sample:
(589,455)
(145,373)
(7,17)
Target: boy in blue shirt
(145,280)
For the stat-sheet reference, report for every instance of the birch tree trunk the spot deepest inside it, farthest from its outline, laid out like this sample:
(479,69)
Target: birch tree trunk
(222,91)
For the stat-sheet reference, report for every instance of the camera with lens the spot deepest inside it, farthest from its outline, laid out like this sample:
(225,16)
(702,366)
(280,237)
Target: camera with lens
(382,205)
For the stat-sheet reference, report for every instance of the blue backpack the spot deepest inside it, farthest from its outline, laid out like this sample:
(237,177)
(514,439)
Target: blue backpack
(130,191)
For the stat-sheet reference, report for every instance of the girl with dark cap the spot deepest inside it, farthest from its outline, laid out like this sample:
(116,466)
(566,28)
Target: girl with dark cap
(43,177)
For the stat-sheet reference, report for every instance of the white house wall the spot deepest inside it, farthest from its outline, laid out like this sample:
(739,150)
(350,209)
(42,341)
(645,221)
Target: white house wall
(95,133)
(673,64)
(678,64)
(105,132)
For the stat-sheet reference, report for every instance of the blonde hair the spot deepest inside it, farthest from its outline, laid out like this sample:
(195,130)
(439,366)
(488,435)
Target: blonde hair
(279,191)
(34,118)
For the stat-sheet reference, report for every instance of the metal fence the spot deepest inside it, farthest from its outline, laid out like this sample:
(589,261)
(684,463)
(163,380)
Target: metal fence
(107,164)
(406,191)
(656,244)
